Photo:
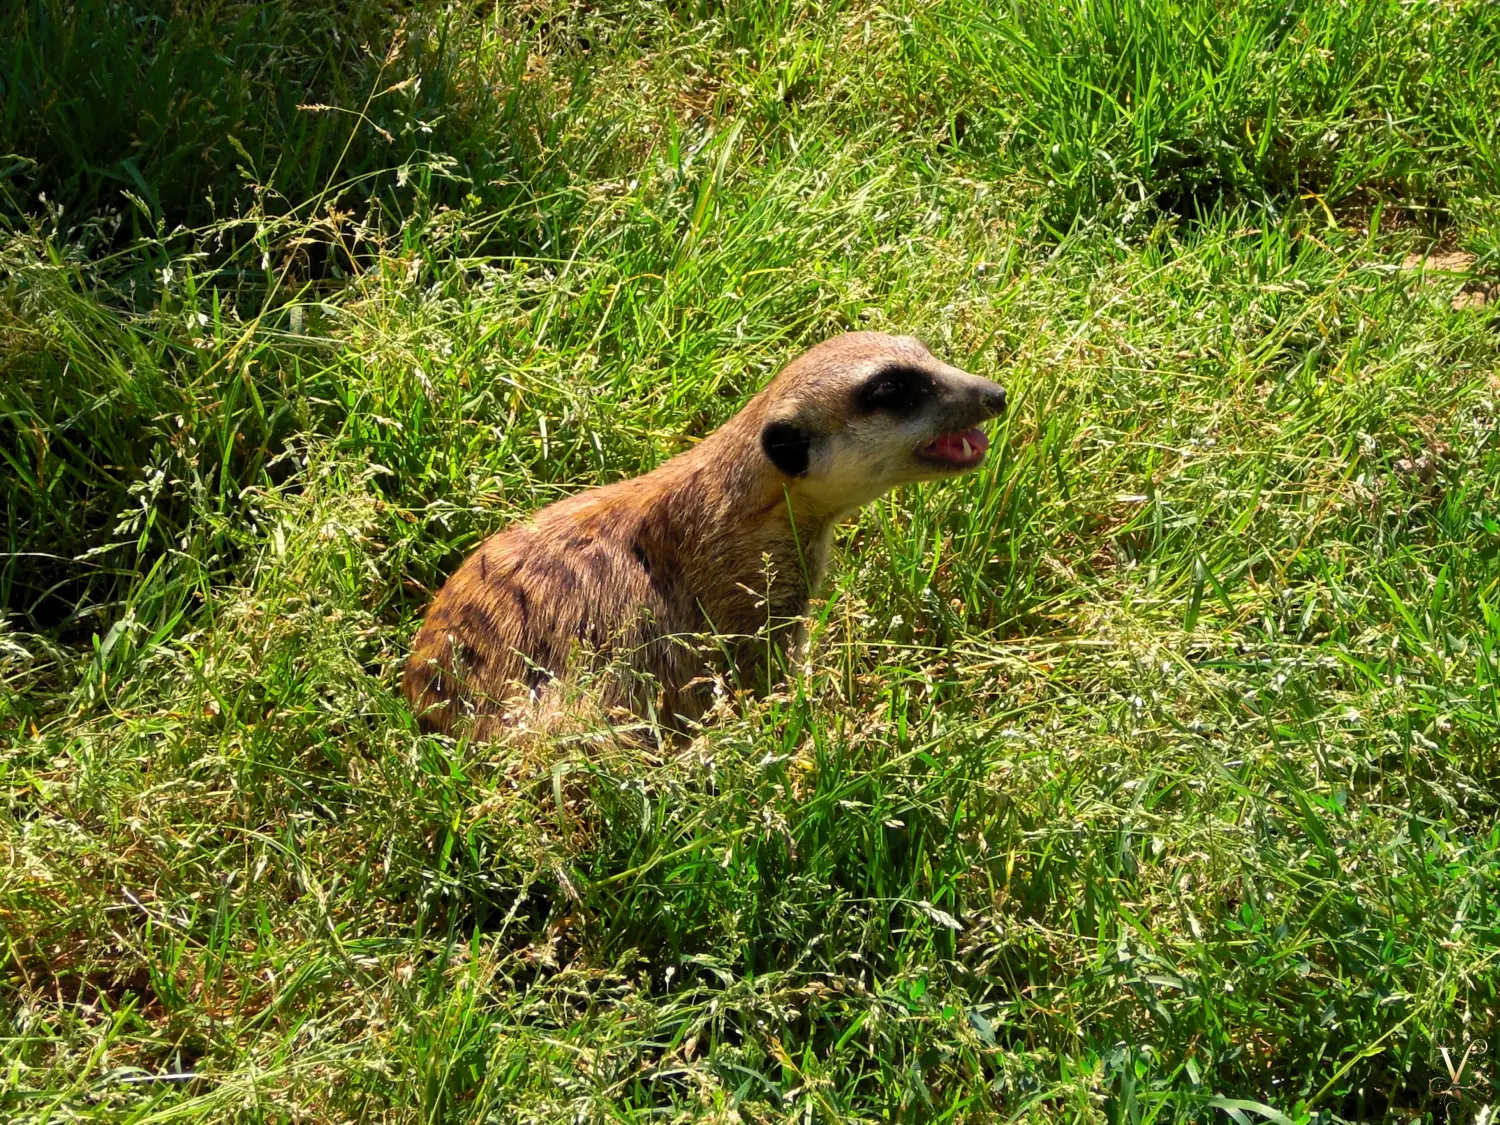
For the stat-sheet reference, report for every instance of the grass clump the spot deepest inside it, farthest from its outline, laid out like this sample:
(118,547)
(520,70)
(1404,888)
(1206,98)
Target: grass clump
(1111,106)
(1148,774)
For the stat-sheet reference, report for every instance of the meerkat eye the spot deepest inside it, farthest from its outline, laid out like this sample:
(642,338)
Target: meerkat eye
(899,390)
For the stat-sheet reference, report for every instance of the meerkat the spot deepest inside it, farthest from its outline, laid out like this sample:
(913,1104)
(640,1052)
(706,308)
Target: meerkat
(729,539)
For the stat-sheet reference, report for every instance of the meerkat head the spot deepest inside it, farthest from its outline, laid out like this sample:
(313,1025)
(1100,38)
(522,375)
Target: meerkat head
(862,413)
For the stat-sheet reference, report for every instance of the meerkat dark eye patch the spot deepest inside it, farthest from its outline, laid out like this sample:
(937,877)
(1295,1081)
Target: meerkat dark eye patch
(788,445)
(897,389)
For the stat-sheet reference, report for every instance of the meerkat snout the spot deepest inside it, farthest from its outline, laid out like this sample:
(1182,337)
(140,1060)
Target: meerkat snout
(730,538)
(991,399)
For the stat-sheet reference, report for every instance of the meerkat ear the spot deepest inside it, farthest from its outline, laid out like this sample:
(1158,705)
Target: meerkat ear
(788,445)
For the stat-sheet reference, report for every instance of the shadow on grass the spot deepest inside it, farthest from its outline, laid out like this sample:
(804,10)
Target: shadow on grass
(163,116)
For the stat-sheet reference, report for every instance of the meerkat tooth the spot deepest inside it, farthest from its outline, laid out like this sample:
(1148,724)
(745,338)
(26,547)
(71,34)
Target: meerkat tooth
(673,552)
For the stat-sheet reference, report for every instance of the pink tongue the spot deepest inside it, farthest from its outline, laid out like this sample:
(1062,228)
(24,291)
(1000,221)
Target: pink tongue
(951,446)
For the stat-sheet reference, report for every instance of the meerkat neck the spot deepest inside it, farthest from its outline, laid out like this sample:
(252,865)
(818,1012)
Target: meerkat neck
(740,520)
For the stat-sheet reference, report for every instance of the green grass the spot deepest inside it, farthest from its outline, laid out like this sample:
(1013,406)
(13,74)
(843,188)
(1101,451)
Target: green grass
(1149,774)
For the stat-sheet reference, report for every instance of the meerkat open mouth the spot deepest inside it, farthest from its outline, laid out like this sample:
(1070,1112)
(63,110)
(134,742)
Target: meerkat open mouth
(962,450)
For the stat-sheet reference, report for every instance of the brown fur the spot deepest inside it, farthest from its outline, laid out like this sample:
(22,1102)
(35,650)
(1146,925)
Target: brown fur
(717,540)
